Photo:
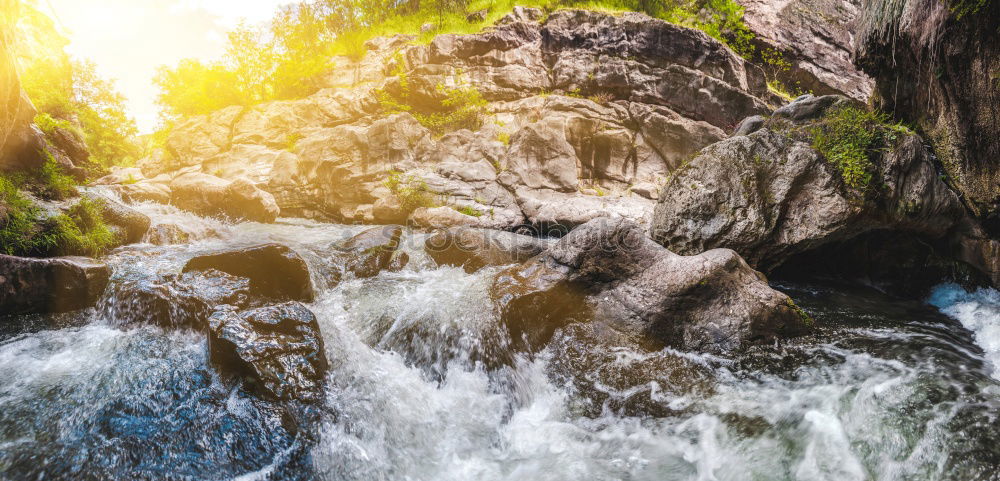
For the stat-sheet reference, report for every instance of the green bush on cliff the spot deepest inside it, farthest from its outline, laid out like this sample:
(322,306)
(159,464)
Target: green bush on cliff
(850,138)
(411,193)
(458,107)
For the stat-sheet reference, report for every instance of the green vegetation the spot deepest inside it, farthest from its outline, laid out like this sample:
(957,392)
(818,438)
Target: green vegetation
(70,94)
(412,193)
(850,137)
(459,107)
(804,316)
(468,210)
(26,230)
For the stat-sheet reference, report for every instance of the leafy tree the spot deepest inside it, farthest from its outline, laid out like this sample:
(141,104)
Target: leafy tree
(193,88)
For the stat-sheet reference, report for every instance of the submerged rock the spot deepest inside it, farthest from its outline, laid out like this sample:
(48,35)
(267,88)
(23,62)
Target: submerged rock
(175,302)
(278,346)
(473,249)
(275,271)
(59,284)
(370,252)
(608,271)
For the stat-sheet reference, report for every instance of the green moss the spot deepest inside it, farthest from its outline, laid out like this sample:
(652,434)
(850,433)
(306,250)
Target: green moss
(806,319)
(850,138)
(504,137)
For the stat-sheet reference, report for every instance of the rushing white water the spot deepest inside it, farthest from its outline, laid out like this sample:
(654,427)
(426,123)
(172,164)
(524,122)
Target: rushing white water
(979,312)
(424,387)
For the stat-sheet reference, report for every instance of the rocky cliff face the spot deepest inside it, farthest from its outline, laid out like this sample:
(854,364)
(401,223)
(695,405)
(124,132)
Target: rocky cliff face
(937,65)
(817,40)
(589,114)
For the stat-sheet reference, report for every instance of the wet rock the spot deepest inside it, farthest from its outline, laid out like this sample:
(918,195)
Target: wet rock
(608,271)
(166,234)
(275,271)
(280,347)
(473,249)
(209,195)
(368,253)
(50,285)
(130,225)
(144,192)
(175,301)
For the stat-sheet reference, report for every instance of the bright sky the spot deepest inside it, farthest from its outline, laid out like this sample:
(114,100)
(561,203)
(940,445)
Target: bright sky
(129,39)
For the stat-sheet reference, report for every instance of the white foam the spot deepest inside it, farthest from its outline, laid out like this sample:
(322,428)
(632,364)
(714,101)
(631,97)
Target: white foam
(979,312)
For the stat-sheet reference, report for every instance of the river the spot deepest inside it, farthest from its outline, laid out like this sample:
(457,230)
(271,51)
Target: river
(422,387)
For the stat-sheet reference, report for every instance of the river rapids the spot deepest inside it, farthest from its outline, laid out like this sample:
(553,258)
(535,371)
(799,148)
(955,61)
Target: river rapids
(884,390)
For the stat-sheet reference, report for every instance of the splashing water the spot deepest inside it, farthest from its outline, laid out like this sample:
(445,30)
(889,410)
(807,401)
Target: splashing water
(423,386)
(979,312)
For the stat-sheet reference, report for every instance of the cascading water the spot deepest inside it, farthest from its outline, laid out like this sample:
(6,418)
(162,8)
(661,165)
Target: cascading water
(422,386)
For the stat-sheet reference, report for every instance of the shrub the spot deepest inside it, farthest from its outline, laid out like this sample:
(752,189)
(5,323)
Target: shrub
(26,231)
(461,107)
(50,181)
(412,193)
(850,138)
(468,210)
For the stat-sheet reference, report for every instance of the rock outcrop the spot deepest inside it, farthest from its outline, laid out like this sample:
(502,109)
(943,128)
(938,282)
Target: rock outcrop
(609,271)
(631,98)
(280,347)
(58,284)
(769,195)
(275,271)
(237,199)
(936,64)
(472,248)
(816,39)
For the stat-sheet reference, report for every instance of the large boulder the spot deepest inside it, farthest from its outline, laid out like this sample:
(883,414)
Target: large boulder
(770,194)
(472,249)
(50,285)
(275,271)
(237,199)
(609,271)
(936,63)
(280,347)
